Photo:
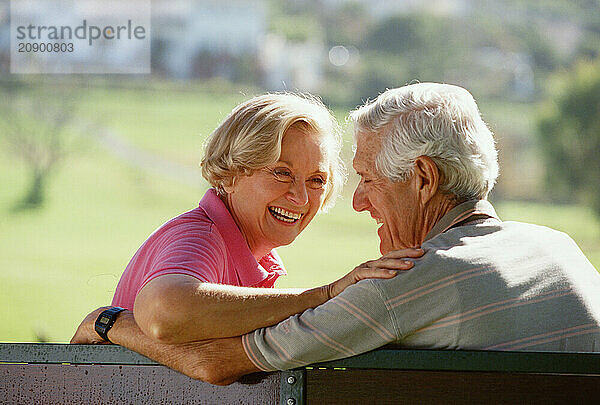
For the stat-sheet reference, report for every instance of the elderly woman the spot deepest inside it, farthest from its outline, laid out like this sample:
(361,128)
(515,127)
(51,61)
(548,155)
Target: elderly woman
(273,164)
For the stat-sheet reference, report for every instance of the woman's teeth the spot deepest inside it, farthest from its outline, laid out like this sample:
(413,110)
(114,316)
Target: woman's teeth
(283,215)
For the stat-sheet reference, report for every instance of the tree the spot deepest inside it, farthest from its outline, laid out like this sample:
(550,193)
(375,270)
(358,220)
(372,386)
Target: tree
(34,123)
(570,132)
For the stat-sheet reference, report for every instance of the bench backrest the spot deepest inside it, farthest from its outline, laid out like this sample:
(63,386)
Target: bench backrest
(60,373)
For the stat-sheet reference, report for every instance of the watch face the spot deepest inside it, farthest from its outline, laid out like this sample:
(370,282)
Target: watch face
(104,320)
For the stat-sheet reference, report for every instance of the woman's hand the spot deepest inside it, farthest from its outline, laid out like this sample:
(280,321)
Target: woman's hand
(86,332)
(386,266)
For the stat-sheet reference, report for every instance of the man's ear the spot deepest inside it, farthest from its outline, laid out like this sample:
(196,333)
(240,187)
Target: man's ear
(426,177)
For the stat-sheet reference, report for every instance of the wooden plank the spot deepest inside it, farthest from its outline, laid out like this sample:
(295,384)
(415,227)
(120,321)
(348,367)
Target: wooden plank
(328,386)
(471,360)
(47,353)
(463,360)
(126,384)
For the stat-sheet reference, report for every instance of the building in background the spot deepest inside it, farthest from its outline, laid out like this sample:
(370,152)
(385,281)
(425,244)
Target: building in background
(49,22)
(230,40)
(289,65)
(203,39)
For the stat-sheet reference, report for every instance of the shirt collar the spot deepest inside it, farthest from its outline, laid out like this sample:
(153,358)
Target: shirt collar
(461,213)
(249,271)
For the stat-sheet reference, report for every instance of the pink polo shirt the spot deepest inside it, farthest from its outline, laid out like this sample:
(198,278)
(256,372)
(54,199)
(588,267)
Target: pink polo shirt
(204,243)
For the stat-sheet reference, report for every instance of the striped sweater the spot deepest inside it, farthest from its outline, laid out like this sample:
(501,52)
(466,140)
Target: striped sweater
(482,284)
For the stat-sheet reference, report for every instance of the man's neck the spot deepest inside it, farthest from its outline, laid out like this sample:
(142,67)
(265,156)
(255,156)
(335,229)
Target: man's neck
(436,208)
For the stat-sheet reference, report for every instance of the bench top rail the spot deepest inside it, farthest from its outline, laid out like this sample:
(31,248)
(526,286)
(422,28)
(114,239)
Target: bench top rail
(393,359)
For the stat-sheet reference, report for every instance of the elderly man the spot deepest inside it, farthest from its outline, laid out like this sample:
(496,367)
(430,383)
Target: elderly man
(427,162)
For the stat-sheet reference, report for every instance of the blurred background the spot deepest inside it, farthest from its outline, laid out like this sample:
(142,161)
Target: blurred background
(90,165)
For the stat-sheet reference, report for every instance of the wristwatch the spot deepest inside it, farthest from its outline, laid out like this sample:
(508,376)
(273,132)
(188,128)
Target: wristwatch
(106,320)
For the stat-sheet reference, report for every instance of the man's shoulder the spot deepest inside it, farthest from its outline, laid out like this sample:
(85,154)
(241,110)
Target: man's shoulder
(491,232)
(516,226)
(494,244)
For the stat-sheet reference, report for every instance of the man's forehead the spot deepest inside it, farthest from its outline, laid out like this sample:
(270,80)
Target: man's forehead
(367,146)
(367,141)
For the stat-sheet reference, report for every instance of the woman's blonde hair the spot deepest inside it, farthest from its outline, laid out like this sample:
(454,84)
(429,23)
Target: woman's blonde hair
(250,137)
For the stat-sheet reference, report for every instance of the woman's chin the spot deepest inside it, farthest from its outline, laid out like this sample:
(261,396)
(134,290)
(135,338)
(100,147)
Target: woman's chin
(285,233)
(284,241)
(284,238)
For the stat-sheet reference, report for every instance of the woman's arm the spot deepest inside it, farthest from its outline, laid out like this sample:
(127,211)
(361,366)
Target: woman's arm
(178,308)
(217,361)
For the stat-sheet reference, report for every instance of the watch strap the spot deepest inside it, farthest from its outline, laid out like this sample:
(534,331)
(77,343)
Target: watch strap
(106,320)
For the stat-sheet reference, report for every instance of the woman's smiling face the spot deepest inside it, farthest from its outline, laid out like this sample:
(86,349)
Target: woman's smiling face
(273,205)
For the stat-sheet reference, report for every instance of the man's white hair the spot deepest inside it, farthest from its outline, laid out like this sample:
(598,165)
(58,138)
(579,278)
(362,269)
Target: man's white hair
(436,120)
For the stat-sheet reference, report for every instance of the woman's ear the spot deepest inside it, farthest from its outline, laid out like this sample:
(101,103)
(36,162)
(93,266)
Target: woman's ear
(229,185)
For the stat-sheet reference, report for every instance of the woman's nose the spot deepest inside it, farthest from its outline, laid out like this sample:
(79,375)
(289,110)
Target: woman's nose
(298,193)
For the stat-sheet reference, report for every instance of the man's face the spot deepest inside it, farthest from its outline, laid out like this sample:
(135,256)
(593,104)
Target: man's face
(394,205)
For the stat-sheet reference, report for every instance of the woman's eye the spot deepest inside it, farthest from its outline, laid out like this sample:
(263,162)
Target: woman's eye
(282,174)
(317,182)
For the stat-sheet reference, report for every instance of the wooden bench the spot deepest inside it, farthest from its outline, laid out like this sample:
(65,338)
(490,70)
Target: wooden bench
(81,374)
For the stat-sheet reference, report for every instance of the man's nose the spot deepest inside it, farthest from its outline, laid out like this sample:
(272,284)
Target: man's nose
(298,193)
(359,201)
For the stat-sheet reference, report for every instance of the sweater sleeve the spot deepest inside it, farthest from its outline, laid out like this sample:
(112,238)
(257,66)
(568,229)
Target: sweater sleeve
(354,322)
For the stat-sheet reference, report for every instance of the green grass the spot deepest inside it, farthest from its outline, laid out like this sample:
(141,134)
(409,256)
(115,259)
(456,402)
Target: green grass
(145,116)
(60,262)
(64,259)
